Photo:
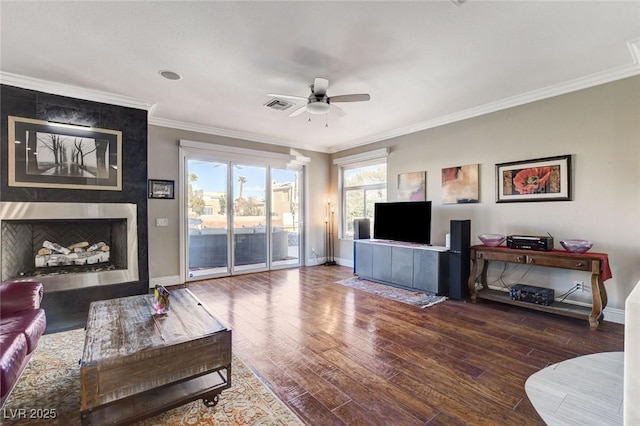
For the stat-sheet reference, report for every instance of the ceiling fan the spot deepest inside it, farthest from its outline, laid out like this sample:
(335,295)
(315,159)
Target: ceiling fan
(318,102)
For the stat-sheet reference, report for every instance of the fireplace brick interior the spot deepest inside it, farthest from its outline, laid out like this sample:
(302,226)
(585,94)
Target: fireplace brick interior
(22,239)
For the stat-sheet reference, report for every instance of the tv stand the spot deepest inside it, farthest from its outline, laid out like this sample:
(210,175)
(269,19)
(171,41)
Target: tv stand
(411,266)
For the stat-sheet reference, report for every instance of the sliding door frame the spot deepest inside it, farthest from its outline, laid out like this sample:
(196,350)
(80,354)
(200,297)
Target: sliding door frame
(239,156)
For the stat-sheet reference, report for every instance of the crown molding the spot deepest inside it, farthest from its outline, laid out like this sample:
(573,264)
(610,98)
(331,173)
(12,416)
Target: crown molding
(514,101)
(72,91)
(234,134)
(46,86)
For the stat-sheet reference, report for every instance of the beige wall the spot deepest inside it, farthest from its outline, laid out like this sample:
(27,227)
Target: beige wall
(599,127)
(163,157)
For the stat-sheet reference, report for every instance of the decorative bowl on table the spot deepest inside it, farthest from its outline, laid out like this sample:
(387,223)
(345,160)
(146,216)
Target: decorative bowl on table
(492,240)
(576,246)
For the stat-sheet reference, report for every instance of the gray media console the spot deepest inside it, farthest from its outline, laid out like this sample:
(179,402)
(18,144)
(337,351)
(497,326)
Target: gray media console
(407,265)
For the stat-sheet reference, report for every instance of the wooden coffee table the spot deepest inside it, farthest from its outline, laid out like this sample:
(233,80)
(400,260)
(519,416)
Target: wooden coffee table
(136,364)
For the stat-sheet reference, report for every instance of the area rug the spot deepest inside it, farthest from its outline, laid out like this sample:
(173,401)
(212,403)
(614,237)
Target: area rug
(586,390)
(51,384)
(414,298)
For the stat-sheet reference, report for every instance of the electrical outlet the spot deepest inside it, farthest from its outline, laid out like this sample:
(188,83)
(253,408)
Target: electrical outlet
(579,285)
(162,222)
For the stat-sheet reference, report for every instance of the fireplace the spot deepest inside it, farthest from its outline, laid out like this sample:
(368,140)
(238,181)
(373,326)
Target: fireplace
(37,243)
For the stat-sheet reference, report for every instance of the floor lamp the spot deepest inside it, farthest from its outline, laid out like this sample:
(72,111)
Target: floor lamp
(328,230)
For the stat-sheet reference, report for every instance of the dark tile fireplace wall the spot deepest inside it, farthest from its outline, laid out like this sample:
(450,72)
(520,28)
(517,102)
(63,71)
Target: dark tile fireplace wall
(67,309)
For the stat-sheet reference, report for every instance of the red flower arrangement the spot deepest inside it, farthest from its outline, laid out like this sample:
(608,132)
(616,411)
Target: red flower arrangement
(533,180)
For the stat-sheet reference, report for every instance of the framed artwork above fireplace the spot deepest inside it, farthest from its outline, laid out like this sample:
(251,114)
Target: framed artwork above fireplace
(44,154)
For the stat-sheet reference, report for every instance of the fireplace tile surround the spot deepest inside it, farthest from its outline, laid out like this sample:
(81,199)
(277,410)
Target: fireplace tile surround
(17,254)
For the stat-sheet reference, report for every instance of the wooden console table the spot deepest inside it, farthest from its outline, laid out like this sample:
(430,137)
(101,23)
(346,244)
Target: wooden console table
(596,263)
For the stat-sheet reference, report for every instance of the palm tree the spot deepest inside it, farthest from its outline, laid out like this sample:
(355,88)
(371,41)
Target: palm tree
(242,181)
(196,203)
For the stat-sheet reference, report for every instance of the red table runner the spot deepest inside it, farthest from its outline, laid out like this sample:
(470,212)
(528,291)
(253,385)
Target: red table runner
(605,272)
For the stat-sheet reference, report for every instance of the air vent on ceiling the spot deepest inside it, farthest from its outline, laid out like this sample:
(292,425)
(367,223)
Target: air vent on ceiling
(278,104)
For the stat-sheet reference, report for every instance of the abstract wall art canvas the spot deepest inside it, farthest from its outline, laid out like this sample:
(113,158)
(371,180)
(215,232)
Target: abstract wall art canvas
(460,184)
(412,186)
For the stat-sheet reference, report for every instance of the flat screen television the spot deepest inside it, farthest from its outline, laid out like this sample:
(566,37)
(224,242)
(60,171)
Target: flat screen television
(403,221)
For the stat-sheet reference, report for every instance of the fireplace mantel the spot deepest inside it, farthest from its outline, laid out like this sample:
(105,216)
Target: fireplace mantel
(48,211)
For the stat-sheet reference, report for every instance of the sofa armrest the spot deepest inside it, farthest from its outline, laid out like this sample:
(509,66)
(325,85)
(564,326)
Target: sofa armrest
(20,295)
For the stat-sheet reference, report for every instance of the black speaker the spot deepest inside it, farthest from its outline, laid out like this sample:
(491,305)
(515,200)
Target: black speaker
(459,259)
(361,229)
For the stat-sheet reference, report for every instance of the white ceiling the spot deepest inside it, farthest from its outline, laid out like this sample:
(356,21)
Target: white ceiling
(425,63)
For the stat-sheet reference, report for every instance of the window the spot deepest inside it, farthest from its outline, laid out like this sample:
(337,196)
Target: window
(363,182)
(362,187)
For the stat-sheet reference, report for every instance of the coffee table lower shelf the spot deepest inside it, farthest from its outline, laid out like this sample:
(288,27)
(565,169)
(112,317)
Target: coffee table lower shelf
(559,308)
(155,401)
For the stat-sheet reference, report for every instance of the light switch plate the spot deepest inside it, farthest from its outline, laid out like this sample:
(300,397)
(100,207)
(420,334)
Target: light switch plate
(162,222)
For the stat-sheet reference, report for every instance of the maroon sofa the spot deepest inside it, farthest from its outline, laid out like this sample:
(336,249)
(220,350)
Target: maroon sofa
(22,322)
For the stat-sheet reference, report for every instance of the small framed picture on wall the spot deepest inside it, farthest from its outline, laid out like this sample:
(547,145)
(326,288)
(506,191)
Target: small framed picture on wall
(161,189)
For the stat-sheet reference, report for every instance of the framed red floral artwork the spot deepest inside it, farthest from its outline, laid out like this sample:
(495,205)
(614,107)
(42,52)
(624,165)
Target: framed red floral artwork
(541,179)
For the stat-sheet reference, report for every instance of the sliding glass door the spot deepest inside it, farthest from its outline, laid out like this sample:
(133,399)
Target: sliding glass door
(285,217)
(241,218)
(208,220)
(249,217)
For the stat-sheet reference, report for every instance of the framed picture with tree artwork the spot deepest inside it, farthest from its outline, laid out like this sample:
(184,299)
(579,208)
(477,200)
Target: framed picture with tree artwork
(43,154)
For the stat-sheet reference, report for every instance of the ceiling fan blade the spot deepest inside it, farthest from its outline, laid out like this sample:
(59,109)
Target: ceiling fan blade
(320,86)
(297,98)
(350,98)
(299,111)
(339,111)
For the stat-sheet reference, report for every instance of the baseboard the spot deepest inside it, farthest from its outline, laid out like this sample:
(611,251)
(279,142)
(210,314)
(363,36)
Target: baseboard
(315,261)
(345,262)
(165,281)
(322,260)
(614,315)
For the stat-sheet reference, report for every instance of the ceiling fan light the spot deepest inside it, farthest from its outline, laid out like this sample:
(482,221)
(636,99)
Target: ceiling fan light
(318,107)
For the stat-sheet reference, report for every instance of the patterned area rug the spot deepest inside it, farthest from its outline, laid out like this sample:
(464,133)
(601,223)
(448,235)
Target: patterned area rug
(414,298)
(51,384)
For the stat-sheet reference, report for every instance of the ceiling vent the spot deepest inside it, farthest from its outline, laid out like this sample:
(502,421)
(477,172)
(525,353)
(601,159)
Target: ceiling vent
(278,104)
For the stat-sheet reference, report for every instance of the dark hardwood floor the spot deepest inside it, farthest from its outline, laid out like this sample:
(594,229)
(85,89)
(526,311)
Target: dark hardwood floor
(336,355)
